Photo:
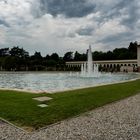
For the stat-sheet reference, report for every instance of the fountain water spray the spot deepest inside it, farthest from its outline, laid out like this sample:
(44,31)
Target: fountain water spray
(88,69)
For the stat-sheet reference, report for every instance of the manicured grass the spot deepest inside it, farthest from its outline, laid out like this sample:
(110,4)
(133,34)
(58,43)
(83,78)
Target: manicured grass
(20,109)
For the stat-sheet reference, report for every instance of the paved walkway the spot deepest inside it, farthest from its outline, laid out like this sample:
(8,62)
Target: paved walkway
(116,121)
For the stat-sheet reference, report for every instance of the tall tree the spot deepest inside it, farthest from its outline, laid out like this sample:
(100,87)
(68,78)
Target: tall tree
(77,56)
(4,52)
(37,55)
(18,52)
(55,57)
(68,56)
(133,47)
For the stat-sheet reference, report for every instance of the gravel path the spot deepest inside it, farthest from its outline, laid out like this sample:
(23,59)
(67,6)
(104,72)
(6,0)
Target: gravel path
(116,121)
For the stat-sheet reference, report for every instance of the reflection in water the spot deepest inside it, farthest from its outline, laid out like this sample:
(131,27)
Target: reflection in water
(56,81)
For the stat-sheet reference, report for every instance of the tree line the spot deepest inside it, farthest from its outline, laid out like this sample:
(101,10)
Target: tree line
(116,54)
(18,59)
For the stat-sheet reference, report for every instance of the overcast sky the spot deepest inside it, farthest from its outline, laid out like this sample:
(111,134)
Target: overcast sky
(67,25)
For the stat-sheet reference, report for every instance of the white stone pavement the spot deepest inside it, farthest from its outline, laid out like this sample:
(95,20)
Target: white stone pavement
(116,121)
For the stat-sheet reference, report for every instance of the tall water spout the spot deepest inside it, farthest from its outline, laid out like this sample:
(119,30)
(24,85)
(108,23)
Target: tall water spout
(89,61)
(87,68)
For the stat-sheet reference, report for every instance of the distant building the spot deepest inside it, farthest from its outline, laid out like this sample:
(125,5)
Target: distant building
(112,65)
(126,69)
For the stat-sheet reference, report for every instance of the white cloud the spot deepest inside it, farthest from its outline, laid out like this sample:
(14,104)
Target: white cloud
(110,28)
(16,11)
(2,36)
(46,33)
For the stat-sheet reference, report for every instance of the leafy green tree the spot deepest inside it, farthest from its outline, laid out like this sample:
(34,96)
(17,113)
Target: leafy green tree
(97,55)
(4,52)
(68,56)
(80,57)
(10,63)
(109,55)
(36,59)
(77,56)
(121,53)
(18,52)
(48,57)
(55,57)
(51,63)
(133,47)
(36,56)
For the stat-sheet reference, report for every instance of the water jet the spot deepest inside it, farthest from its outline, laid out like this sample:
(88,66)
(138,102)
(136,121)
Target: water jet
(89,69)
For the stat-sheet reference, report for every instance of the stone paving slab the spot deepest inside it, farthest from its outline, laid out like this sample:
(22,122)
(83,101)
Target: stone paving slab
(116,121)
(42,105)
(43,98)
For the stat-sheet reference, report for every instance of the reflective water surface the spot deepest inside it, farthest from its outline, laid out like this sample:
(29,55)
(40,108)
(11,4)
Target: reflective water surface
(56,81)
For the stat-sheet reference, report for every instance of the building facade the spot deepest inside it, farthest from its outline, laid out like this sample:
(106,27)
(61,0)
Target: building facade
(111,65)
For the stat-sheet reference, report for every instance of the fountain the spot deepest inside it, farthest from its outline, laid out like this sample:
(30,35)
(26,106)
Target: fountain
(59,81)
(88,69)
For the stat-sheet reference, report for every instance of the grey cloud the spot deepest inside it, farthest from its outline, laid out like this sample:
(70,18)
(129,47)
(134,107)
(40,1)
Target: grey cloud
(36,9)
(4,23)
(118,40)
(126,8)
(115,38)
(19,34)
(71,35)
(69,8)
(125,12)
(87,31)
(133,15)
(114,10)
(131,12)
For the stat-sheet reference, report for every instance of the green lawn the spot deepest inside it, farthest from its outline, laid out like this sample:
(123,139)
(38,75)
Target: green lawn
(20,109)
